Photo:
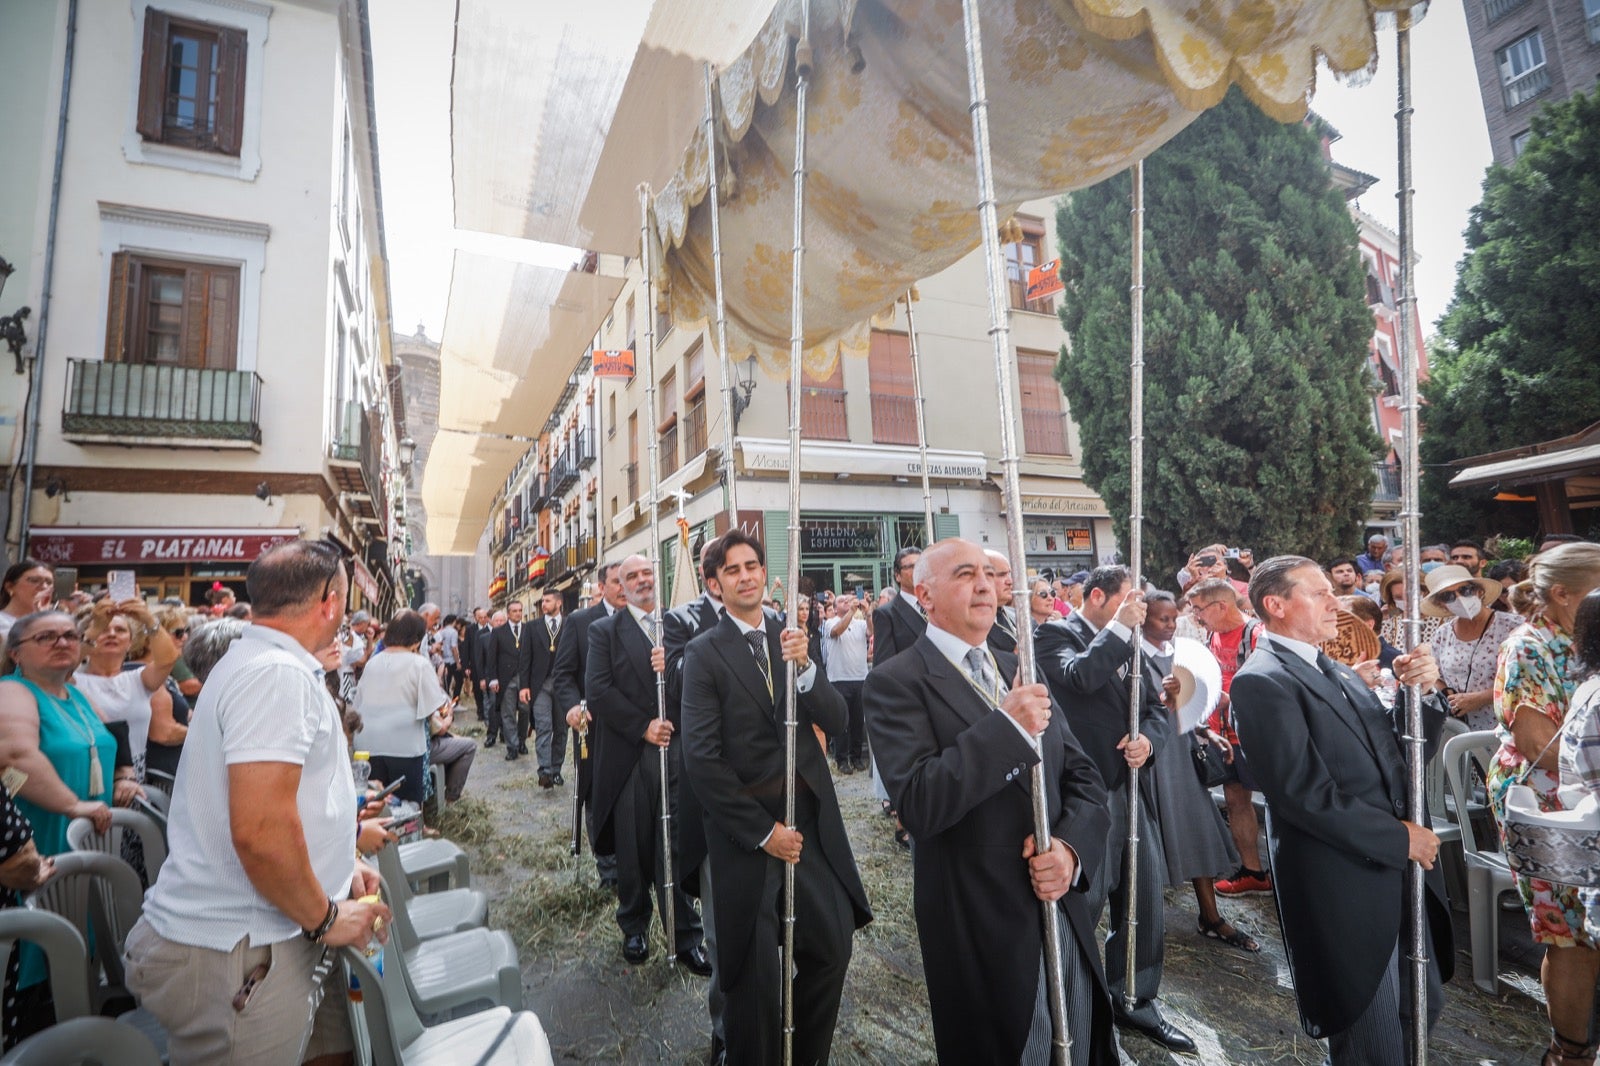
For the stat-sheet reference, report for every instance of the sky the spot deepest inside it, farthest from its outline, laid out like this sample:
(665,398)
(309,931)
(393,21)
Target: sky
(412,42)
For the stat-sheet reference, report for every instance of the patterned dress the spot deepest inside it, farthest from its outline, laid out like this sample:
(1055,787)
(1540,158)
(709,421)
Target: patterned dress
(1537,672)
(15,832)
(1580,769)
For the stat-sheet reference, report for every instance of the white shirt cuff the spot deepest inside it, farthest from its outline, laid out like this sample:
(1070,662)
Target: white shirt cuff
(1120,630)
(766,838)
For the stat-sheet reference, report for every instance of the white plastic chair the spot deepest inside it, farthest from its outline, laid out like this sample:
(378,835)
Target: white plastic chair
(456,974)
(84,1042)
(434,914)
(1488,876)
(65,953)
(395,1035)
(429,861)
(101,893)
(81,836)
(436,773)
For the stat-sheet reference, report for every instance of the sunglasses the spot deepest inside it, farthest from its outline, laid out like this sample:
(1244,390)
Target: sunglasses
(1207,560)
(336,553)
(1045,595)
(68,637)
(180,632)
(1451,595)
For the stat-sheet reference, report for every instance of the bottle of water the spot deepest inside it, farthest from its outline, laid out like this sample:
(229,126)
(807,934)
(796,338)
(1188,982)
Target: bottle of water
(361,771)
(373,951)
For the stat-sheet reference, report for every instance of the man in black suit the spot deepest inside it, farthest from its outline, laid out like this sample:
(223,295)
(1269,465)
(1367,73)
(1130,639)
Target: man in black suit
(956,746)
(476,658)
(510,667)
(899,623)
(1339,830)
(734,705)
(572,652)
(550,735)
(1003,637)
(1086,657)
(620,680)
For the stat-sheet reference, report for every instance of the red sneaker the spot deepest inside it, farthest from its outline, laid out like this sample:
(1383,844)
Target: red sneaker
(1245,883)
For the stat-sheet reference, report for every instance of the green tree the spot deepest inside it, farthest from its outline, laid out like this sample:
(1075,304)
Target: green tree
(1258,423)
(1519,358)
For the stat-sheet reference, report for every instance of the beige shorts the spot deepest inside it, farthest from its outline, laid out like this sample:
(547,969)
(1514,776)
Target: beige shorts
(190,990)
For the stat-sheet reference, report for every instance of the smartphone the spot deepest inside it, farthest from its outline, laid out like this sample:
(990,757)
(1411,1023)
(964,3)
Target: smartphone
(391,788)
(122,586)
(1233,553)
(66,581)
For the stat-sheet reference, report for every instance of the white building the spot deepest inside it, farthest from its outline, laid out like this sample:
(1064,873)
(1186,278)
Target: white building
(215,360)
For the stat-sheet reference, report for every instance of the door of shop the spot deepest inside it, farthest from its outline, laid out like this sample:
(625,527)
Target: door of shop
(853,576)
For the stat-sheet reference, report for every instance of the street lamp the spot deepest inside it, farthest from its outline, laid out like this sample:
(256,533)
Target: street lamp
(745,381)
(408,453)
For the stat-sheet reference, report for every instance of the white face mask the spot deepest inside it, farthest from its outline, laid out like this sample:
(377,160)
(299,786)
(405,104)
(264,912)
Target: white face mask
(1465,606)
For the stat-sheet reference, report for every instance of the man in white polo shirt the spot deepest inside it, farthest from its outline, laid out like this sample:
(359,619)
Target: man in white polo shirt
(262,877)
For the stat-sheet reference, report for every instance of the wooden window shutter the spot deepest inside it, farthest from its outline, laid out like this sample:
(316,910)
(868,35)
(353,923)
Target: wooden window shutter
(153,75)
(192,351)
(222,319)
(120,307)
(230,91)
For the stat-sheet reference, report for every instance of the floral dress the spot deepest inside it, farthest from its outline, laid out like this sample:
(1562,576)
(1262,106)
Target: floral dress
(1580,770)
(1536,670)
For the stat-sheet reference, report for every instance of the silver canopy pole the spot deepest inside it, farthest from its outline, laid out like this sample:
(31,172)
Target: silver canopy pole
(922,416)
(1411,531)
(653,553)
(729,468)
(1000,335)
(1135,560)
(802,77)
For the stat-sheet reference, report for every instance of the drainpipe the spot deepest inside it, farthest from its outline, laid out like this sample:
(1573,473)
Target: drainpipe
(31,417)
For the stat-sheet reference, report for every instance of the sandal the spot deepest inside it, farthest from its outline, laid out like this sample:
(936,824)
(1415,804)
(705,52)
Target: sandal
(888,808)
(1564,1052)
(1235,939)
(902,838)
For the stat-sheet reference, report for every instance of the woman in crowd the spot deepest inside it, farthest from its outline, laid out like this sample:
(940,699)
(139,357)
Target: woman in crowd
(1533,689)
(398,693)
(813,650)
(28,586)
(1042,604)
(127,695)
(1580,740)
(177,620)
(1366,608)
(1467,643)
(1392,598)
(169,707)
(22,869)
(449,641)
(50,732)
(1199,848)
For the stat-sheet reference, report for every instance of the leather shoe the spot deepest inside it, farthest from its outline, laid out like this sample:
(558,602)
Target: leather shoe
(635,948)
(719,1051)
(490,742)
(1157,1028)
(522,747)
(511,754)
(557,780)
(695,961)
(545,780)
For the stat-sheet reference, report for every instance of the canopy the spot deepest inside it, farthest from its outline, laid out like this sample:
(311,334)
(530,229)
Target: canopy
(464,472)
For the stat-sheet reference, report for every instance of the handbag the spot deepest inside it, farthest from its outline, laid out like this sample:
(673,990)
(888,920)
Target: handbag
(1208,764)
(1562,847)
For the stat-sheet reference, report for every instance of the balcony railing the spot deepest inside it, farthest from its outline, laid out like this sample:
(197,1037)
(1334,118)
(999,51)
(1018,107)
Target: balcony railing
(822,413)
(669,451)
(894,419)
(538,492)
(174,403)
(557,564)
(1388,487)
(694,429)
(563,474)
(585,553)
(582,450)
(1525,87)
(1495,10)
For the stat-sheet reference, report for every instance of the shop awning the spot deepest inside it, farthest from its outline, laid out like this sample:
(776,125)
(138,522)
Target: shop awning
(843,457)
(1530,468)
(132,546)
(1057,496)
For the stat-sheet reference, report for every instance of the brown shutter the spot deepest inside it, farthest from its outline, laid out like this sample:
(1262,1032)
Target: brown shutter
(192,343)
(153,75)
(230,91)
(222,319)
(119,309)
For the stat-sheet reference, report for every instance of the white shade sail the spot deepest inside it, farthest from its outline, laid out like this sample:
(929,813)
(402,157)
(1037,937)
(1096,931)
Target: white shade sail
(464,472)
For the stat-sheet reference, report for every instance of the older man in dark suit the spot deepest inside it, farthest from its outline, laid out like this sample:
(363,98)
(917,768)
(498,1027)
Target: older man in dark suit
(897,624)
(620,679)
(1340,832)
(510,667)
(1086,658)
(956,743)
(1003,637)
(734,703)
(572,653)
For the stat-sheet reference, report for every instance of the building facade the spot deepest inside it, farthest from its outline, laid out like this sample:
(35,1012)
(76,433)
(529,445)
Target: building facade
(212,367)
(1529,53)
(581,494)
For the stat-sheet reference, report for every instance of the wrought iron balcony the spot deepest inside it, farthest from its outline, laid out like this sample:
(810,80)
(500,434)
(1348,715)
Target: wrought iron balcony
(563,474)
(582,450)
(1388,487)
(123,402)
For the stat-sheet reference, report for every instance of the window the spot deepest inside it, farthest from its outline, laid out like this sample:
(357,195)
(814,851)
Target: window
(632,468)
(1021,257)
(611,423)
(630,320)
(822,412)
(694,398)
(172,313)
(1044,423)
(1591,14)
(894,396)
(191,84)
(1519,142)
(1523,74)
(667,403)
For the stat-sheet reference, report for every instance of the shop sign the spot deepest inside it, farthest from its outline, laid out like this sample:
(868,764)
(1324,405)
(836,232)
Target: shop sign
(823,537)
(1084,505)
(614,363)
(79,546)
(365,581)
(1045,280)
(1057,536)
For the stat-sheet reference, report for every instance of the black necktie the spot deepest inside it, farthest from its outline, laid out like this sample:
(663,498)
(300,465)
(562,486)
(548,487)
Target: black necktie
(1330,670)
(758,645)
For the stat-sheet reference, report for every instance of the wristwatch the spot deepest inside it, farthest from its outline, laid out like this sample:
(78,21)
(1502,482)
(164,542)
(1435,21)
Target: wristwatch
(316,935)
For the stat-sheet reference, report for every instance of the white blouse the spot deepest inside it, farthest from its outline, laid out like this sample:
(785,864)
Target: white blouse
(397,693)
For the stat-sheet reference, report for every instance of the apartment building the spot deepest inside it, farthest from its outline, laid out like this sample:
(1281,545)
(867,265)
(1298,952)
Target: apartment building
(1529,53)
(212,368)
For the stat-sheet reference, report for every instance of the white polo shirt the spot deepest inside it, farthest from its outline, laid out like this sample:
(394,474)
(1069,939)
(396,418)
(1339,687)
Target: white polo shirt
(264,702)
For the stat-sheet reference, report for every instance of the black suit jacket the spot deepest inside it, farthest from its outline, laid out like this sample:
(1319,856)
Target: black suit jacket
(507,659)
(543,661)
(1088,676)
(1003,637)
(959,773)
(733,757)
(895,628)
(679,626)
(572,652)
(1334,776)
(621,689)
(479,640)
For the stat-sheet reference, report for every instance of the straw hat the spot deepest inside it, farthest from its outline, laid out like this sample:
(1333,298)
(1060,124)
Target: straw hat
(1447,577)
(1391,578)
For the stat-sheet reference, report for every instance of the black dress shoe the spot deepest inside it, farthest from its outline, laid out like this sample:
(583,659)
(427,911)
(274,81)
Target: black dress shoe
(545,780)
(511,754)
(522,747)
(635,948)
(1157,1028)
(490,741)
(557,780)
(695,961)
(719,1051)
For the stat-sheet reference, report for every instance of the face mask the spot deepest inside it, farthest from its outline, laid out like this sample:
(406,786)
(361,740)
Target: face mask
(1465,606)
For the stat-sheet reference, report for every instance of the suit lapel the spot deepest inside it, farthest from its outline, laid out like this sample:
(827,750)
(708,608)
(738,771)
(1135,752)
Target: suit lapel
(909,617)
(735,651)
(951,685)
(1328,691)
(1378,724)
(637,646)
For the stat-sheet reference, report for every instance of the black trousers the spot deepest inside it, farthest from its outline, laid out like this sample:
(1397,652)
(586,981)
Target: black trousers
(1380,1036)
(824,924)
(1110,887)
(640,865)
(853,745)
